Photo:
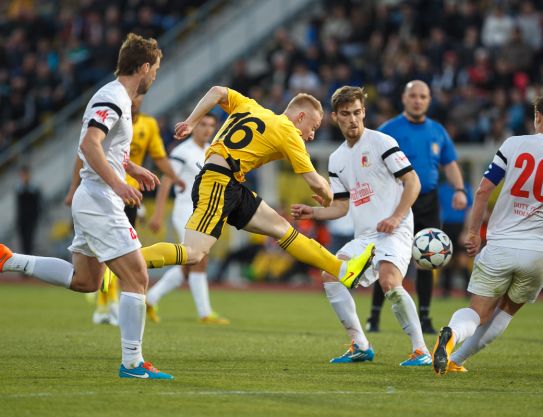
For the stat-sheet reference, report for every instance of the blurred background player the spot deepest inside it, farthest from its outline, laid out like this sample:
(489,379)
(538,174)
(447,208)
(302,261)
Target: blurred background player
(146,141)
(28,209)
(511,263)
(428,146)
(187,159)
(372,178)
(252,136)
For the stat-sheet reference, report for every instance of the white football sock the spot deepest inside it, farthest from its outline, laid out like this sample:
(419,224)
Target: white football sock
(405,311)
(482,336)
(52,270)
(343,304)
(132,324)
(172,279)
(463,323)
(200,293)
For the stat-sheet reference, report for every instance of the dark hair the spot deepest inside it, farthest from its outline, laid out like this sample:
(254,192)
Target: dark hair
(348,94)
(136,51)
(538,104)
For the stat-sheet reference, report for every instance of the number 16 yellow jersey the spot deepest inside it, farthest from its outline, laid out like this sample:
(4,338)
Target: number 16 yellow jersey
(254,135)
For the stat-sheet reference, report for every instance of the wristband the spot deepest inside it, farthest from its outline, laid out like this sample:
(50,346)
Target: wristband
(462,190)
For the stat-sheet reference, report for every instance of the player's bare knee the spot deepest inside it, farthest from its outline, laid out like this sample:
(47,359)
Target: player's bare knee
(196,256)
(388,284)
(84,286)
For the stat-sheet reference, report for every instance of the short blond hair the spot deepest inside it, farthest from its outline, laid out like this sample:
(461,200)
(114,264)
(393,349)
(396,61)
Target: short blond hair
(304,100)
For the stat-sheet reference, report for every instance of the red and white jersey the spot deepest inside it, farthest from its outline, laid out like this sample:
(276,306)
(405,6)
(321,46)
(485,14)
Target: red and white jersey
(517,218)
(368,175)
(187,160)
(110,111)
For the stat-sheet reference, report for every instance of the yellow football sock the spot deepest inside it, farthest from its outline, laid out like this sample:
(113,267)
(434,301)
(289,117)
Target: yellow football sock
(101,300)
(310,252)
(113,293)
(108,275)
(163,254)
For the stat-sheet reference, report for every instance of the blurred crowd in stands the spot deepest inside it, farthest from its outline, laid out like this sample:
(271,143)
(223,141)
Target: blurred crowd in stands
(53,50)
(482,59)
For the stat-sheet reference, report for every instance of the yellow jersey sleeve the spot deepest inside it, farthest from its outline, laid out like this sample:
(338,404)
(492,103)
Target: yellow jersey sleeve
(295,152)
(236,100)
(145,140)
(156,146)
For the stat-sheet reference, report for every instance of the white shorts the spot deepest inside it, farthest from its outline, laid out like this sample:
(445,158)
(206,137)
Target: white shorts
(394,248)
(102,229)
(515,272)
(181,213)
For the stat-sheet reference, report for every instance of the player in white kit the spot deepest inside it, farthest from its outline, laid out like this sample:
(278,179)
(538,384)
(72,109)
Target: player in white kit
(372,178)
(508,272)
(103,234)
(187,159)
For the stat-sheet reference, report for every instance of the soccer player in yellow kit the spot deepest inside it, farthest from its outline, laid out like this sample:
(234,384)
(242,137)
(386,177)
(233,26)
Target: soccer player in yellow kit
(252,136)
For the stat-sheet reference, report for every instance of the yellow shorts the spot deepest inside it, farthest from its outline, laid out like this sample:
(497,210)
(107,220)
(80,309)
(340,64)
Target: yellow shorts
(218,197)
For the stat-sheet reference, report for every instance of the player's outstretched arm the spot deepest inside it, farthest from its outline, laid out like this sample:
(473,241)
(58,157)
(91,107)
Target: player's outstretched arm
(215,95)
(76,180)
(411,190)
(336,210)
(480,203)
(319,186)
(155,223)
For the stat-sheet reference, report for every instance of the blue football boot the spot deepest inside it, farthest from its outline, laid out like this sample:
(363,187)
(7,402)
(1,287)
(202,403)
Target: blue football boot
(355,354)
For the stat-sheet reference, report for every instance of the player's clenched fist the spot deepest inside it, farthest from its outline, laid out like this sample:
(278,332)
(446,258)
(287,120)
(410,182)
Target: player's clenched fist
(182,130)
(130,196)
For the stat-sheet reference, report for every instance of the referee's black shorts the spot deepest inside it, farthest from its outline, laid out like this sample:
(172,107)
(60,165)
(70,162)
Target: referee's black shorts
(426,211)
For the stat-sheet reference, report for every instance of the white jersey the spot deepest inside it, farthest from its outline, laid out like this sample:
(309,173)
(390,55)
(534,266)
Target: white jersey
(110,111)
(517,218)
(187,160)
(368,175)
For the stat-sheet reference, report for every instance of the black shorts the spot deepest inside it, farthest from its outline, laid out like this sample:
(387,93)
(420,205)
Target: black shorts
(218,197)
(132,214)
(426,211)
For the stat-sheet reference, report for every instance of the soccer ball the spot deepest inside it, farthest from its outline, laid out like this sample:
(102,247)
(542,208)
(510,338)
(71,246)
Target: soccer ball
(432,248)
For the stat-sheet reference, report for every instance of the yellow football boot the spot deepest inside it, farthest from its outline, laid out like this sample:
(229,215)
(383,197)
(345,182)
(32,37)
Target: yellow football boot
(357,266)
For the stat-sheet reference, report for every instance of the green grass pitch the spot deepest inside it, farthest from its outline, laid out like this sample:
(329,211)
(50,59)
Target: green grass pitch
(271,361)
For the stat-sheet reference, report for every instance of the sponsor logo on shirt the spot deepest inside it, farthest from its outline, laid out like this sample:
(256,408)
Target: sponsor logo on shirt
(361,194)
(102,114)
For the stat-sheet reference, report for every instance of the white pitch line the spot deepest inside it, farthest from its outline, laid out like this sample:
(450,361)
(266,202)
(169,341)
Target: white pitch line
(219,393)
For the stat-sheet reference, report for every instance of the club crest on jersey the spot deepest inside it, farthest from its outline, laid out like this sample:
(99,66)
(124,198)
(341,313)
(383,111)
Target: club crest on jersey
(365,160)
(102,114)
(435,148)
